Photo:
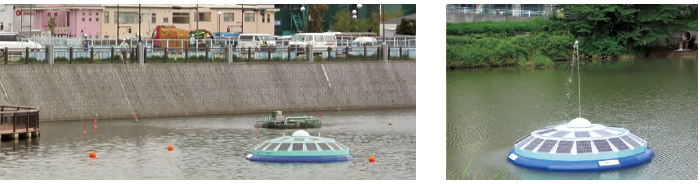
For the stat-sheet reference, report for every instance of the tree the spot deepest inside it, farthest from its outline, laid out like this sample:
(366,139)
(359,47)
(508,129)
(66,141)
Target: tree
(316,12)
(376,18)
(627,24)
(407,27)
(343,21)
(52,25)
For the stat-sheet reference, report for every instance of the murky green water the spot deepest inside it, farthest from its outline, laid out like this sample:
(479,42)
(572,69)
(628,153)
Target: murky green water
(210,147)
(656,99)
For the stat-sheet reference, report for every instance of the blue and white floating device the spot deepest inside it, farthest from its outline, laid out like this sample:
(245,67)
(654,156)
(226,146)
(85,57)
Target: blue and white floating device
(580,146)
(300,147)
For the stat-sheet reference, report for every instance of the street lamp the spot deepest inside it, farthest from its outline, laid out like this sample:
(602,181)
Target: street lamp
(302,9)
(219,22)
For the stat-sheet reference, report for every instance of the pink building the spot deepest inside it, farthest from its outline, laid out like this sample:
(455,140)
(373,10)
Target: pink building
(71,19)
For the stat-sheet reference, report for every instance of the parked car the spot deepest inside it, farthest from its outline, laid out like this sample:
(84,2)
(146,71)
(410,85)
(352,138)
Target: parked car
(321,41)
(262,41)
(364,41)
(16,41)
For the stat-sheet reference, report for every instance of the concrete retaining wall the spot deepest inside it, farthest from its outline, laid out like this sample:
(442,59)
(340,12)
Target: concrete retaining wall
(454,17)
(86,91)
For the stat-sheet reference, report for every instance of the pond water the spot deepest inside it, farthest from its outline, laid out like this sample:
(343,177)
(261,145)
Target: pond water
(656,99)
(210,147)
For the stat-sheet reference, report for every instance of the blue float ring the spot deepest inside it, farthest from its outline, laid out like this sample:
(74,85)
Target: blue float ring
(581,166)
(300,159)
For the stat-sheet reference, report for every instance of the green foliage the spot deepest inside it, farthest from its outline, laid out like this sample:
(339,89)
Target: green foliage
(407,27)
(52,25)
(541,61)
(316,12)
(464,52)
(491,28)
(343,21)
(600,46)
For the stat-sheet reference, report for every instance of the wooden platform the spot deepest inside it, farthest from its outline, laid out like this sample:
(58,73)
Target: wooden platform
(23,132)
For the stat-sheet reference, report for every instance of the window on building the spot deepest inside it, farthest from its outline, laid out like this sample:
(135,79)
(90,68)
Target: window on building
(97,14)
(228,17)
(106,17)
(83,19)
(262,18)
(153,18)
(204,17)
(268,18)
(90,19)
(250,17)
(55,14)
(83,13)
(90,14)
(97,19)
(127,17)
(49,14)
(106,37)
(165,19)
(181,18)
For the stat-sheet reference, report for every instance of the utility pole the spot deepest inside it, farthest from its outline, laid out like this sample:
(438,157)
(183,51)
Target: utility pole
(383,24)
(30,20)
(242,16)
(197,16)
(139,23)
(117,23)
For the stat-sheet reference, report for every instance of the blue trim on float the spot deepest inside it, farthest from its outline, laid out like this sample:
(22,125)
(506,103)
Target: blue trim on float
(289,159)
(581,166)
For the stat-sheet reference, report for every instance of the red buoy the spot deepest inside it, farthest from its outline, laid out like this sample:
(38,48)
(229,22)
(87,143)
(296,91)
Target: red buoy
(371,159)
(94,120)
(93,154)
(319,115)
(389,123)
(170,147)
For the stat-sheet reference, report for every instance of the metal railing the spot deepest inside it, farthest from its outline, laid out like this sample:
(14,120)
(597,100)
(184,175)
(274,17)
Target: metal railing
(70,55)
(18,118)
(395,41)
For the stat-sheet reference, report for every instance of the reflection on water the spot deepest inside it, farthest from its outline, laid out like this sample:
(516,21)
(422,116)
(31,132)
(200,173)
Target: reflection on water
(656,99)
(209,147)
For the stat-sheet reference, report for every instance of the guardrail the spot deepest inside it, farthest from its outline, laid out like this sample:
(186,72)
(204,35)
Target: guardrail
(70,55)
(502,12)
(18,119)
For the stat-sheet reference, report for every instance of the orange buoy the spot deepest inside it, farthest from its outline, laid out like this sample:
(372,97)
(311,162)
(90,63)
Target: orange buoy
(84,126)
(136,119)
(389,123)
(94,126)
(84,132)
(93,154)
(371,159)
(170,147)
(256,132)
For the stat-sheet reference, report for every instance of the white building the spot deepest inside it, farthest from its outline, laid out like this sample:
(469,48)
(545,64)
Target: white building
(7,14)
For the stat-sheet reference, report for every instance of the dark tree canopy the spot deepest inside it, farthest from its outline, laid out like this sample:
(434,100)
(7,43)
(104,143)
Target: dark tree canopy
(316,12)
(407,27)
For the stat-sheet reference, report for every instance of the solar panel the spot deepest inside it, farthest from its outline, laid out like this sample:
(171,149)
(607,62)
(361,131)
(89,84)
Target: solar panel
(283,139)
(272,146)
(284,147)
(525,141)
(560,133)
(546,131)
(617,142)
(602,132)
(582,134)
(583,147)
(630,141)
(602,145)
(547,146)
(534,144)
(298,147)
(335,147)
(565,146)
(298,139)
(341,146)
(311,147)
(640,140)
(616,129)
(262,146)
(324,146)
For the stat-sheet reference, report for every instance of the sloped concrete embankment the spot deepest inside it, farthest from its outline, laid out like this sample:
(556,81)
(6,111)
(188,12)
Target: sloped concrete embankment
(86,91)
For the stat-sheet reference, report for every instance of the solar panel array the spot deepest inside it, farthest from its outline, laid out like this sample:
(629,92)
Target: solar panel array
(583,147)
(547,146)
(335,147)
(565,146)
(617,142)
(546,131)
(560,133)
(602,145)
(311,147)
(534,144)
(284,147)
(582,134)
(298,147)
(640,140)
(262,146)
(630,141)
(524,141)
(324,146)
(272,147)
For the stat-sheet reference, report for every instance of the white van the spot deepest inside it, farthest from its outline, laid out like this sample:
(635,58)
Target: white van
(321,41)
(17,42)
(256,41)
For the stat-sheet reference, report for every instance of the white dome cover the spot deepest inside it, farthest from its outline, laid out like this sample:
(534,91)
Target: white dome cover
(301,133)
(579,123)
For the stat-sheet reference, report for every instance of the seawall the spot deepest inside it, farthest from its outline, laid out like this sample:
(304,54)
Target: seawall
(86,91)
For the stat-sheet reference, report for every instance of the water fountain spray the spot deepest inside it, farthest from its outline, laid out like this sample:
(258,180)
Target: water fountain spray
(579,78)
